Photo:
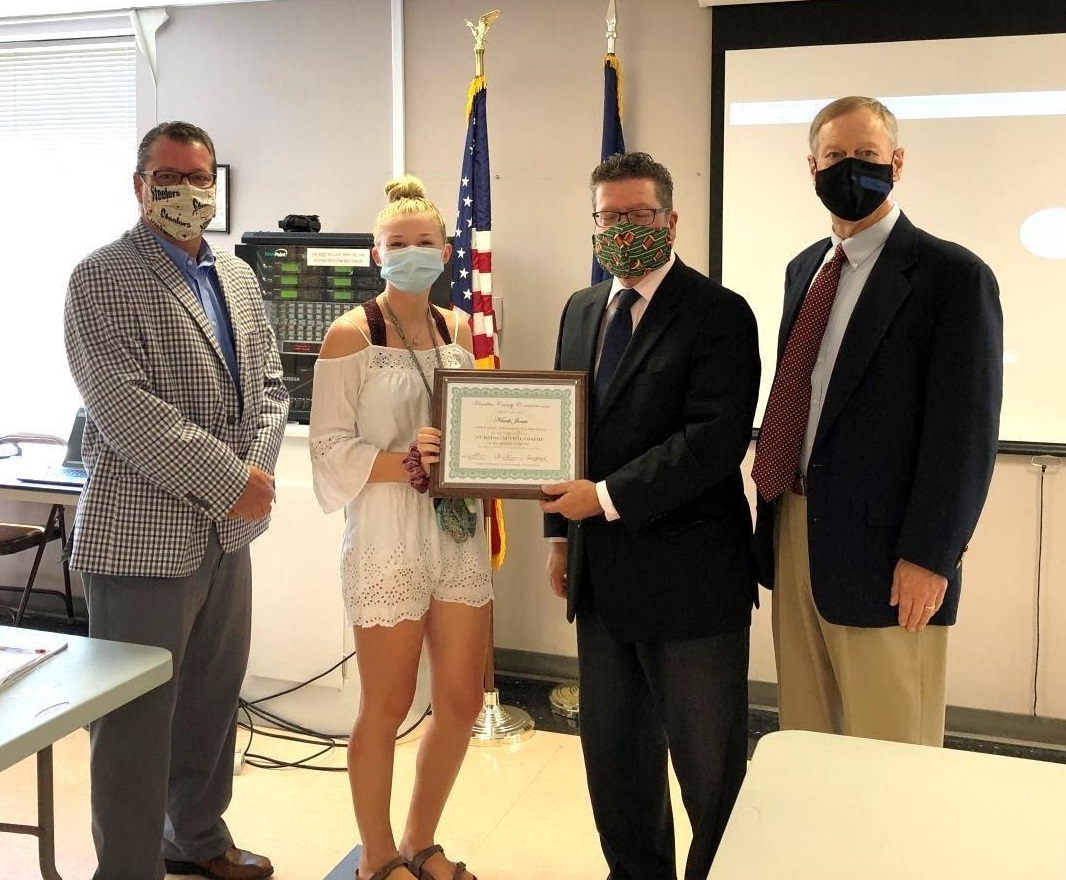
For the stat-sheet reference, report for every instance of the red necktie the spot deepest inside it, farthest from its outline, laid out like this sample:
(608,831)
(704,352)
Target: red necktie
(785,420)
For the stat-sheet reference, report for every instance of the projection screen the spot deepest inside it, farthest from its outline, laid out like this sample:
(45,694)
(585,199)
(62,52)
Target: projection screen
(983,123)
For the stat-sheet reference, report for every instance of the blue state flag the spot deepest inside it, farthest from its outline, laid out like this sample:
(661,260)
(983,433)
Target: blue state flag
(612,141)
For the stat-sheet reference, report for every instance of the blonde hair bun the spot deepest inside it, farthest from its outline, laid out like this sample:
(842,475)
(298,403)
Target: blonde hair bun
(407,196)
(406,187)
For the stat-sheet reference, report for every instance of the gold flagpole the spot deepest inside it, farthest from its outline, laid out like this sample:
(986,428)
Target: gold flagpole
(565,699)
(480,31)
(496,725)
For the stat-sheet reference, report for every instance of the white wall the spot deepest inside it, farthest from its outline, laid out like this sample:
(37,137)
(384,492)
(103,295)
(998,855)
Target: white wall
(298,98)
(993,647)
(545,98)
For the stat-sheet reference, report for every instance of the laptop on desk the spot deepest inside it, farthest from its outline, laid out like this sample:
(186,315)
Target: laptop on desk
(72,471)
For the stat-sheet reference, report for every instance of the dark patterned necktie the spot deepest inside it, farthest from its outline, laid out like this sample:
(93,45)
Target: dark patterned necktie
(788,408)
(615,339)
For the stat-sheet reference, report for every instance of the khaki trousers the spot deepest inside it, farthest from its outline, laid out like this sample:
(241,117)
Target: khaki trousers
(875,682)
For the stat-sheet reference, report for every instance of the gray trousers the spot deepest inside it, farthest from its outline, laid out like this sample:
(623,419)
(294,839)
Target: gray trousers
(162,766)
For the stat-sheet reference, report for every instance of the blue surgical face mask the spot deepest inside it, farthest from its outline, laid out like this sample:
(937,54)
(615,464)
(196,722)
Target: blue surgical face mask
(412,269)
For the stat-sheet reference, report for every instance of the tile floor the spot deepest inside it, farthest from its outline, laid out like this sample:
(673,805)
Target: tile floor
(516,812)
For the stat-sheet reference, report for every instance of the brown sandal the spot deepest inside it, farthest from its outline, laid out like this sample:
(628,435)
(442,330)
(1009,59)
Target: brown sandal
(415,866)
(385,871)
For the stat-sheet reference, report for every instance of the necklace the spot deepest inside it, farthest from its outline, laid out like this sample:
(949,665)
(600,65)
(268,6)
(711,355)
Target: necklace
(391,315)
(454,516)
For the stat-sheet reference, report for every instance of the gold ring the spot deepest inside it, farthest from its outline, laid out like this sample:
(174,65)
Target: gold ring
(930,607)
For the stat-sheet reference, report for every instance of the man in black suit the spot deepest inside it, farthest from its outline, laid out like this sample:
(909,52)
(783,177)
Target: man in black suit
(865,509)
(652,551)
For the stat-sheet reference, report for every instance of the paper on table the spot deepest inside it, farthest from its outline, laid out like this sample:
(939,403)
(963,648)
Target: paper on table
(21,651)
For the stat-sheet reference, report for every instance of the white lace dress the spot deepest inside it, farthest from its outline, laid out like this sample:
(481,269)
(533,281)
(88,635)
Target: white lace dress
(394,556)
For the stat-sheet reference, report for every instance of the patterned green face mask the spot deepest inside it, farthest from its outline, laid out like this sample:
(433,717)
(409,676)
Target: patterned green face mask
(627,250)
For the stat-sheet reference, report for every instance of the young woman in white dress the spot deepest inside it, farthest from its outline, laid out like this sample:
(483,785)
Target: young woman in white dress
(414,573)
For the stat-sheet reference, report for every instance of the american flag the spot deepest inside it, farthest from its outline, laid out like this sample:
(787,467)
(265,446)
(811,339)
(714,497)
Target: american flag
(612,141)
(472,261)
(472,266)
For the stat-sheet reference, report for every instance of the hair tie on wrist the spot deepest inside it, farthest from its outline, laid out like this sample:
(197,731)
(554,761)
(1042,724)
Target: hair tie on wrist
(416,476)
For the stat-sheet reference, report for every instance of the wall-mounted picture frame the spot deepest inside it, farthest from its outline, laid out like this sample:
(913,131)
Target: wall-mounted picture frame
(220,222)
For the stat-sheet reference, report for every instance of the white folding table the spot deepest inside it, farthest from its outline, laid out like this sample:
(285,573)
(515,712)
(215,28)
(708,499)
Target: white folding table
(821,807)
(88,679)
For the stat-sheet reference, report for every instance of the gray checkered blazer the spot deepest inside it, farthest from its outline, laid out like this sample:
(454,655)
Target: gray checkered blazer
(166,438)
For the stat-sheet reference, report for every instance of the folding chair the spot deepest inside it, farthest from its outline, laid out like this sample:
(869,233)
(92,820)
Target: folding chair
(19,537)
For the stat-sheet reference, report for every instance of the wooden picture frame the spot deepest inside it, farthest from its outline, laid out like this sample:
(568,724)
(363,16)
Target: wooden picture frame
(504,433)
(220,222)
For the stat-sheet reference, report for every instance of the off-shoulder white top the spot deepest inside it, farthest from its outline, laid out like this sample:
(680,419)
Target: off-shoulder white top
(394,556)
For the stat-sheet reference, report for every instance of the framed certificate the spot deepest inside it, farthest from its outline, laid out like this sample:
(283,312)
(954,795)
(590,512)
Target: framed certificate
(506,432)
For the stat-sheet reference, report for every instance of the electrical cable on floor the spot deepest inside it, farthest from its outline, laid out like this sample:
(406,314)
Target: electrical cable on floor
(296,687)
(291,731)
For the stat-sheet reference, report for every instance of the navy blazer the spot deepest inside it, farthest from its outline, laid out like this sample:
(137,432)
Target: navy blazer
(668,439)
(904,450)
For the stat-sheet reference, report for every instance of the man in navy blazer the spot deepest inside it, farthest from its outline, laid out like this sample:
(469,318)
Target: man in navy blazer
(864,549)
(652,551)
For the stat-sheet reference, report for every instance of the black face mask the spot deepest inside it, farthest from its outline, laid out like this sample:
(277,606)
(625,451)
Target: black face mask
(853,188)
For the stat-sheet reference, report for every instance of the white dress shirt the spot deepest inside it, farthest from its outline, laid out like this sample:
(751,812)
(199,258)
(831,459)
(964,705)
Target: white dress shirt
(862,251)
(646,288)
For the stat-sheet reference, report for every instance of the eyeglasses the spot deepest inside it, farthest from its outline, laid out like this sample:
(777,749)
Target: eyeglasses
(199,179)
(640,216)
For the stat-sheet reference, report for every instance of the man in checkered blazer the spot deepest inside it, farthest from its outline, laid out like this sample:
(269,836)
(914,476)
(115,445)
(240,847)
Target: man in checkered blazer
(179,371)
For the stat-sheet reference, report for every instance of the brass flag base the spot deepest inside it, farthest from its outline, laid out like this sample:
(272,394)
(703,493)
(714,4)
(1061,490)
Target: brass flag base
(564,699)
(500,725)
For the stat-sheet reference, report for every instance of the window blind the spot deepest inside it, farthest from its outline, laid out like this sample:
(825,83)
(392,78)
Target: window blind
(68,145)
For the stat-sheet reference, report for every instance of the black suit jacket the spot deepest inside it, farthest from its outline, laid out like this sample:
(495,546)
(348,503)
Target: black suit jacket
(906,443)
(668,439)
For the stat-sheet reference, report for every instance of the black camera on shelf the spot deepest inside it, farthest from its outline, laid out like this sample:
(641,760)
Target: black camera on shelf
(300,223)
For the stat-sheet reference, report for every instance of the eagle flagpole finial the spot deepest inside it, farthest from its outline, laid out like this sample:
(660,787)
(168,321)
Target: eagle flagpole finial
(480,30)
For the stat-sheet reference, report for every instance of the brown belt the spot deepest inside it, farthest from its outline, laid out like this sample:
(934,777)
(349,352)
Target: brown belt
(799,485)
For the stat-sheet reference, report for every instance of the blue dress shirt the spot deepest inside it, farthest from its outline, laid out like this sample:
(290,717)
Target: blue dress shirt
(202,279)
